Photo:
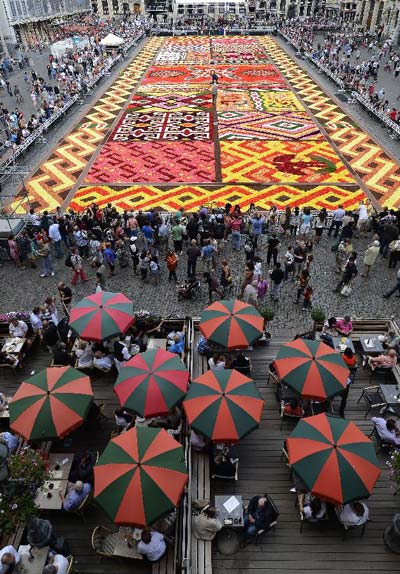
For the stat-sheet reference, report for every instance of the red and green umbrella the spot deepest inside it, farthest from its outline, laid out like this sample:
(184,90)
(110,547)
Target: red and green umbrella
(101,316)
(231,324)
(51,404)
(223,405)
(151,383)
(313,369)
(140,476)
(334,459)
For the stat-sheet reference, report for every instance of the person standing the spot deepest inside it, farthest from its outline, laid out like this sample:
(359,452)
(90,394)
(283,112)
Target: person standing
(236,224)
(177,237)
(77,267)
(14,249)
(193,253)
(172,265)
(370,257)
(65,294)
(337,221)
(214,93)
(55,236)
(272,252)
(277,276)
(109,257)
(47,263)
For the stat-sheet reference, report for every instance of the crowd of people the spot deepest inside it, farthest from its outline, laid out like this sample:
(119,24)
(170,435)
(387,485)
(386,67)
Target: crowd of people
(68,75)
(343,52)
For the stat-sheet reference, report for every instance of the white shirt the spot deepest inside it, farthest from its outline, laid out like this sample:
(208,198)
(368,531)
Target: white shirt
(36,321)
(349,518)
(219,366)
(338,214)
(61,562)
(54,232)
(155,549)
(8,550)
(384,433)
(19,330)
(103,362)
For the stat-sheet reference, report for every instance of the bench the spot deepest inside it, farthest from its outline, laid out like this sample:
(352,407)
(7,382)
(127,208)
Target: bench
(167,563)
(363,327)
(13,539)
(200,489)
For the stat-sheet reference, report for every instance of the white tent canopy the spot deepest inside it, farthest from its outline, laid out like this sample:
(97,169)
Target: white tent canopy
(112,41)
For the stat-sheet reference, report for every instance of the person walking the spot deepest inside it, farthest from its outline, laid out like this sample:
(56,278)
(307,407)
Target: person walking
(277,276)
(77,267)
(214,93)
(47,263)
(272,251)
(236,224)
(55,236)
(193,253)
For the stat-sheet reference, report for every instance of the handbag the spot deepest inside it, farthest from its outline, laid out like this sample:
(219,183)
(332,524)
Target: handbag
(346,290)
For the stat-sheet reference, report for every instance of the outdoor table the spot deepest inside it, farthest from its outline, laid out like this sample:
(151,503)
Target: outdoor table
(374,347)
(121,547)
(5,413)
(60,464)
(13,345)
(230,510)
(340,343)
(391,395)
(157,344)
(54,501)
(288,393)
(35,565)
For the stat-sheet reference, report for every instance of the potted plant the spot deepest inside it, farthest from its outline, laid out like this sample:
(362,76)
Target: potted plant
(27,472)
(318,316)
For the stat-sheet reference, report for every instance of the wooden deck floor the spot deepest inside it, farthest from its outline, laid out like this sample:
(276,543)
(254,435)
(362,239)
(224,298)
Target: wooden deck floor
(77,533)
(318,548)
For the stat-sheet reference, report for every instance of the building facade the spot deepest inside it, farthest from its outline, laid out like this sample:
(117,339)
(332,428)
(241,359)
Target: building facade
(33,21)
(117,7)
(380,15)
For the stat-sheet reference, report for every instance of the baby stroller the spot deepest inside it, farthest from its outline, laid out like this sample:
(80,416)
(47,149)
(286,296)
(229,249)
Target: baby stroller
(122,255)
(190,289)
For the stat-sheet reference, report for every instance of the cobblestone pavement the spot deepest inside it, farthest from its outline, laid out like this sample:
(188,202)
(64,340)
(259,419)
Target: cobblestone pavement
(364,120)
(24,289)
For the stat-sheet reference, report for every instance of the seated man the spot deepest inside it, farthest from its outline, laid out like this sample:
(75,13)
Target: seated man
(293,408)
(123,420)
(9,558)
(76,495)
(178,344)
(344,326)
(312,507)
(152,545)
(258,516)
(10,440)
(387,430)
(170,421)
(8,359)
(206,524)
(57,564)
(387,361)
(353,514)
(84,354)
(121,352)
(103,361)
(18,328)
(50,333)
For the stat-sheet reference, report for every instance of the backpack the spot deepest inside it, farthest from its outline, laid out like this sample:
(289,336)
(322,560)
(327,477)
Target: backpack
(68,262)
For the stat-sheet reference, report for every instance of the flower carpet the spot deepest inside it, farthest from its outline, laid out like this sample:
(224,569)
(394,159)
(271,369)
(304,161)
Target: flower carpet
(154,139)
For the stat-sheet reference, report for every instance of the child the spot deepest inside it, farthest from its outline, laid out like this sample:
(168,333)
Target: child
(307,294)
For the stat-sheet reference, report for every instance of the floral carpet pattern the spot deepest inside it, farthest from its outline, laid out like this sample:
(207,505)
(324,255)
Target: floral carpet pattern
(155,138)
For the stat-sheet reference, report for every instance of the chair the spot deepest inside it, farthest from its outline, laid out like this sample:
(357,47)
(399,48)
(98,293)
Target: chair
(272,375)
(99,535)
(287,416)
(373,397)
(382,444)
(347,527)
(271,506)
(70,568)
(353,373)
(80,511)
(303,519)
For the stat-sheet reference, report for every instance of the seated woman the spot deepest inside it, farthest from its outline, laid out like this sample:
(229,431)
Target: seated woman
(344,326)
(82,467)
(178,343)
(123,419)
(353,514)
(313,508)
(84,354)
(217,362)
(224,461)
(242,364)
(349,358)
(329,331)
(387,361)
